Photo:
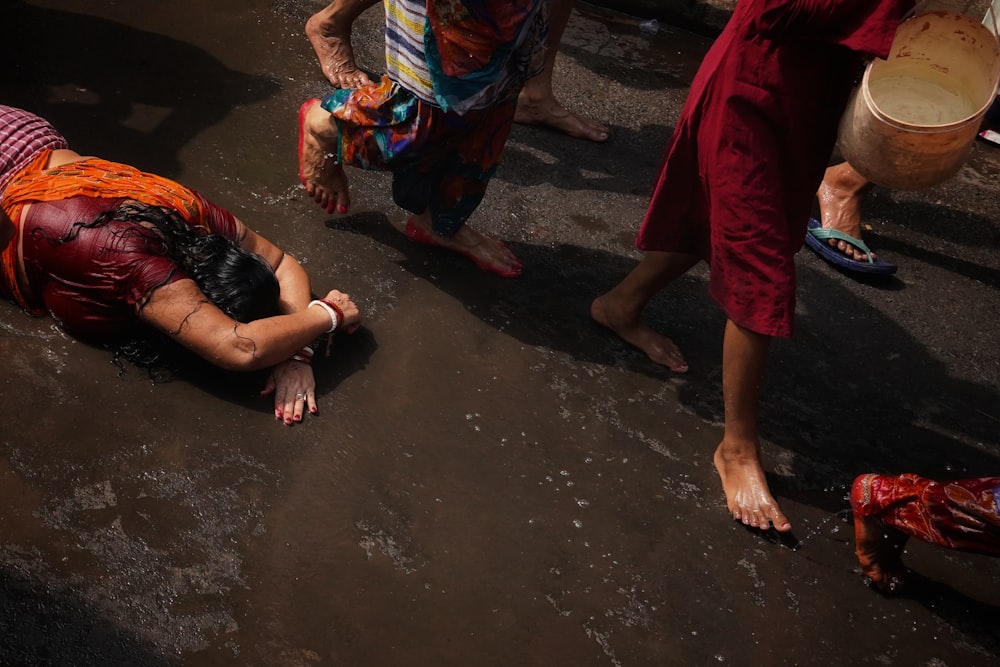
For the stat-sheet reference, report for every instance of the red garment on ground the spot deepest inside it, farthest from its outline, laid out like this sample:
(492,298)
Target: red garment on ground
(961,514)
(752,142)
(92,284)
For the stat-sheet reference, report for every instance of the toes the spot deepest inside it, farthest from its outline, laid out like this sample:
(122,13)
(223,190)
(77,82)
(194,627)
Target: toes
(343,203)
(781,523)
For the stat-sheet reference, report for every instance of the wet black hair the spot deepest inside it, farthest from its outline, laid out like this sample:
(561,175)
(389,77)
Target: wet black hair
(240,283)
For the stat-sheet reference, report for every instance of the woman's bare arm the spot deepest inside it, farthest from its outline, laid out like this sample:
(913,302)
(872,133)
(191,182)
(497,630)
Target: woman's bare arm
(184,313)
(293,281)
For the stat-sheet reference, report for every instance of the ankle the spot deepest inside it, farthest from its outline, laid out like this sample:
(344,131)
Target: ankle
(738,449)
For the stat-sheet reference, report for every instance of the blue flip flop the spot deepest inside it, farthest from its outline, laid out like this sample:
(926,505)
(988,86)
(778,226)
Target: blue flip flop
(817,237)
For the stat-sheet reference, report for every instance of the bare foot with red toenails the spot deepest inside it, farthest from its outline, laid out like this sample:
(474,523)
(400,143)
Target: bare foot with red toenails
(488,253)
(320,173)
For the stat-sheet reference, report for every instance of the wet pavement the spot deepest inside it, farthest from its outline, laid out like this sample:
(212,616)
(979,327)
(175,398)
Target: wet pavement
(493,479)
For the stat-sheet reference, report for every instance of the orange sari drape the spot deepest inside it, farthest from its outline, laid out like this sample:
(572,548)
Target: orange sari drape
(92,177)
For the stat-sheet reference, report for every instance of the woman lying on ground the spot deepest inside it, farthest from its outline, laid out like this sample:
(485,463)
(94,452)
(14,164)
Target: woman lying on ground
(110,251)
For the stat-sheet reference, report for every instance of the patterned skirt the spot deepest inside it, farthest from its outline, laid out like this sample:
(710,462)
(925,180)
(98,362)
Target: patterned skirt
(961,514)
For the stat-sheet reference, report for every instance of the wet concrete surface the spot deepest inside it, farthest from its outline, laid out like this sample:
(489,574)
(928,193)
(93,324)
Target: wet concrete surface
(492,479)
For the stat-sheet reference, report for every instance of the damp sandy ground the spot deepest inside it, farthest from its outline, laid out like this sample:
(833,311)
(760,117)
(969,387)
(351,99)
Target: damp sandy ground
(493,479)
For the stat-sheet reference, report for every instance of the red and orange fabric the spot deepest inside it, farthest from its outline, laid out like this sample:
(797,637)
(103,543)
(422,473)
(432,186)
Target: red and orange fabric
(470,46)
(441,161)
(94,178)
(960,514)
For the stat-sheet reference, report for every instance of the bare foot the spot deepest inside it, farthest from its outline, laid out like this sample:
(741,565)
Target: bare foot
(658,348)
(332,44)
(323,178)
(548,112)
(743,482)
(840,196)
(879,548)
(488,253)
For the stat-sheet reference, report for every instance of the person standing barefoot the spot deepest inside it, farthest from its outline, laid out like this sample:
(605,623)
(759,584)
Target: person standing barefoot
(440,135)
(735,189)
(537,103)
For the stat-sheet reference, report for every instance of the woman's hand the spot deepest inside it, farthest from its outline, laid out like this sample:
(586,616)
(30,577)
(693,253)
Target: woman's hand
(352,316)
(294,390)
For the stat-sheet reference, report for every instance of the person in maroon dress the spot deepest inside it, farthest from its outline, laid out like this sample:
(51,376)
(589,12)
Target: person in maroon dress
(736,188)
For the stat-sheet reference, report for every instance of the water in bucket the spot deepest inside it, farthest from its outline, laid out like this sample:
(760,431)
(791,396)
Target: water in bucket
(912,121)
(921,100)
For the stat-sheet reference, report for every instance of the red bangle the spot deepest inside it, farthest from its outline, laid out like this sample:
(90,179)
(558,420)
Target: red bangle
(336,309)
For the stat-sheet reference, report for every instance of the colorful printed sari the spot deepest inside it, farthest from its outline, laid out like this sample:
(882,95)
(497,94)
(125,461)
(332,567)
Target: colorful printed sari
(477,49)
(961,514)
(440,161)
(440,121)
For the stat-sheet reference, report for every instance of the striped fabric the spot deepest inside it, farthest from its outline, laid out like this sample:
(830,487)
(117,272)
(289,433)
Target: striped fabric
(477,55)
(405,22)
(22,136)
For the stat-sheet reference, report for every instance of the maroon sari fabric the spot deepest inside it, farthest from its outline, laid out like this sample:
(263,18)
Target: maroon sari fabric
(752,142)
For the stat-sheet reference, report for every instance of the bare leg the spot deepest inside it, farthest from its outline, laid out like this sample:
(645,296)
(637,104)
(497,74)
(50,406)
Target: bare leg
(737,458)
(621,308)
(488,253)
(323,178)
(537,104)
(329,32)
(840,196)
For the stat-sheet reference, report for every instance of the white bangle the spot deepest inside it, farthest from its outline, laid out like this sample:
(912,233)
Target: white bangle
(334,320)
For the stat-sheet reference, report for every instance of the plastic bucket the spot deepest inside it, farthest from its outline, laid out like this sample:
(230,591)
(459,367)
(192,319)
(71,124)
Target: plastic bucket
(911,122)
